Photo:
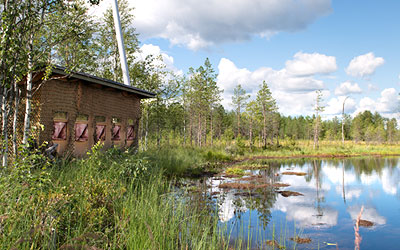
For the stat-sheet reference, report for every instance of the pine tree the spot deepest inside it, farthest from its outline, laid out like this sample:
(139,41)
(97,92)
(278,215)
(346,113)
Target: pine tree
(239,102)
(267,105)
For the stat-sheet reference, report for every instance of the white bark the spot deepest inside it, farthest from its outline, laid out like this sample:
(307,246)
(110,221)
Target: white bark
(4,114)
(28,107)
(16,106)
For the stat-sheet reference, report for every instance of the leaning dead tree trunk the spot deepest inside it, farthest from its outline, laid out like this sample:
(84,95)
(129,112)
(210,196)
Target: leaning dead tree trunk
(343,120)
(318,108)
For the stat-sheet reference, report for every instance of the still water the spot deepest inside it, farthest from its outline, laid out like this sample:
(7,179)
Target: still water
(330,195)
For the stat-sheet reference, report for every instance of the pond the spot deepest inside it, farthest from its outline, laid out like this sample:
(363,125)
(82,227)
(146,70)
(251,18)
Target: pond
(317,201)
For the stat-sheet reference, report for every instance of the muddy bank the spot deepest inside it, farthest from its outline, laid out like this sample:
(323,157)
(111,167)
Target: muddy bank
(299,240)
(290,193)
(238,185)
(260,157)
(294,173)
(366,223)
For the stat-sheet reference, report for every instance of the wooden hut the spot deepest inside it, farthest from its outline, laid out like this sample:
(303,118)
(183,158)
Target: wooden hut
(76,110)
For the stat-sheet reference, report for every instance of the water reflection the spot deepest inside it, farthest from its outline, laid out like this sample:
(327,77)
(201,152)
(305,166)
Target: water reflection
(332,193)
(369,214)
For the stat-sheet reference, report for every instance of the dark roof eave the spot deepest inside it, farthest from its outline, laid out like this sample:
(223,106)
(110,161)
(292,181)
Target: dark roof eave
(105,82)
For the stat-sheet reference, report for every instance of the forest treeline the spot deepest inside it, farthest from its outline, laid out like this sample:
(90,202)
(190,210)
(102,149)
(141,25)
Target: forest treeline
(37,34)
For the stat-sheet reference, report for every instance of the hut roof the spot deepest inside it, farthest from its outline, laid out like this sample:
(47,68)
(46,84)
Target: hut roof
(102,81)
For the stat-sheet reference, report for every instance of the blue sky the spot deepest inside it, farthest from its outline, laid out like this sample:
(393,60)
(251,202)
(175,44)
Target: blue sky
(345,48)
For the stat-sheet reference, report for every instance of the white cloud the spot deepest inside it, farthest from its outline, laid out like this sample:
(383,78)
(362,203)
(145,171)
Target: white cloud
(372,87)
(166,61)
(347,88)
(285,87)
(387,103)
(335,175)
(198,24)
(390,180)
(369,213)
(364,65)
(335,106)
(310,64)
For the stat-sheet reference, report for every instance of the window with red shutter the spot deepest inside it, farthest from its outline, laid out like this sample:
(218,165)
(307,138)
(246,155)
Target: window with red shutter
(100,133)
(81,132)
(59,131)
(116,133)
(130,136)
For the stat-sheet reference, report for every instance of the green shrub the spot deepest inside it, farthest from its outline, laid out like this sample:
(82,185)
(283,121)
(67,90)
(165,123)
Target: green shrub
(235,171)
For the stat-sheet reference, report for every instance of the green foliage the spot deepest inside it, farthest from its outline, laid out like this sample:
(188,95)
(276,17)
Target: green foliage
(106,43)
(112,199)
(235,171)
(217,156)
(174,161)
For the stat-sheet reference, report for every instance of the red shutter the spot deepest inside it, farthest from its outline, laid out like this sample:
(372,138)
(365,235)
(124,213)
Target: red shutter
(115,133)
(60,131)
(131,133)
(100,132)
(81,132)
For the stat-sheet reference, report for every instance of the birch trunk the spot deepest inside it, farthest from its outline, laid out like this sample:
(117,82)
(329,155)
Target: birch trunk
(4,114)
(28,107)
(16,109)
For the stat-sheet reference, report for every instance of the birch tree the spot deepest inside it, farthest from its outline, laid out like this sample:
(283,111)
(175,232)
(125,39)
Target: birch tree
(26,45)
(108,60)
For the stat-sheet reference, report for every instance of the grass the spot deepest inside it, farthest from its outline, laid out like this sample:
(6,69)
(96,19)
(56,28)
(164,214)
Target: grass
(326,149)
(235,171)
(114,199)
(111,200)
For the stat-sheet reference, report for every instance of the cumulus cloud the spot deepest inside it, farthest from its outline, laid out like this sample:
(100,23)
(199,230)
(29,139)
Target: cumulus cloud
(364,65)
(284,86)
(198,24)
(391,180)
(372,87)
(305,64)
(387,103)
(165,60)
(347,88)
(369,213)
(335,106)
